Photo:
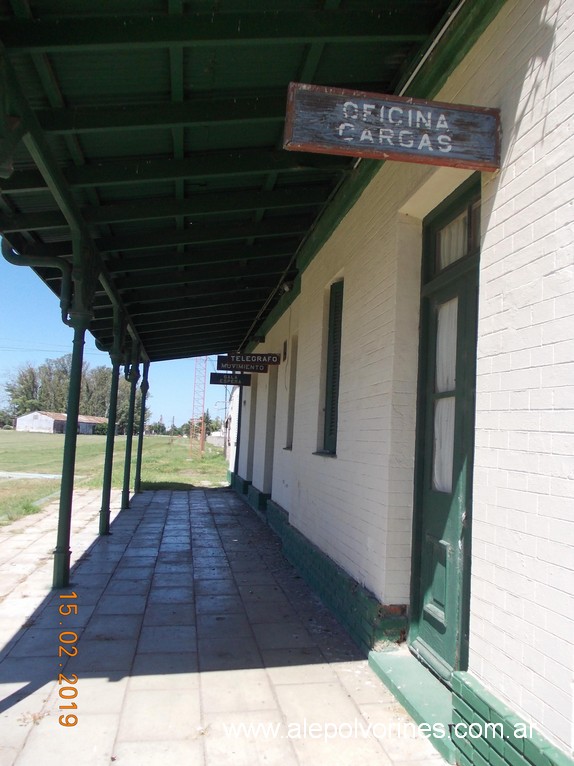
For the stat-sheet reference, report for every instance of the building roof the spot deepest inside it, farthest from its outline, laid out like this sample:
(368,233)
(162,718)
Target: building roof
(62,416)
(154,135)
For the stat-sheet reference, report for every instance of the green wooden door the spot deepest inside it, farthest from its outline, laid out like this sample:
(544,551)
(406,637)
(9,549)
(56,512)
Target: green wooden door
(445,444)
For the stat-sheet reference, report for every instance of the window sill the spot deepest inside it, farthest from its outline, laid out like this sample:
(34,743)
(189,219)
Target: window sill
(325,453)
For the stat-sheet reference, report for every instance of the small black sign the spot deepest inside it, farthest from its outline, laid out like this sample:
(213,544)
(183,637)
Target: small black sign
(225,363)
(255,358)
(226,379)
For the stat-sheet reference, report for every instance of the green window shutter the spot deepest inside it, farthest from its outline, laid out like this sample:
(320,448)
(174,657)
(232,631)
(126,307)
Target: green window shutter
(333,367)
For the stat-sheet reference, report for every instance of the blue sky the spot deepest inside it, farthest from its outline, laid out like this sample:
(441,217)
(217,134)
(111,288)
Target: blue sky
(31,331)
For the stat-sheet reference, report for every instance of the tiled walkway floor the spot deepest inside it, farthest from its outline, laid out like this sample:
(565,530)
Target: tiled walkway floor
(190,623)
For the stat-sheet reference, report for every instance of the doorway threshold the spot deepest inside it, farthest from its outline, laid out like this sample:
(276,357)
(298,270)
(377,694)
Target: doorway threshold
(425,698)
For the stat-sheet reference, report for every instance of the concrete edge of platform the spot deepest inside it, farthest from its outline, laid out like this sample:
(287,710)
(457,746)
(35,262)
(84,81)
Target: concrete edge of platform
(425,698)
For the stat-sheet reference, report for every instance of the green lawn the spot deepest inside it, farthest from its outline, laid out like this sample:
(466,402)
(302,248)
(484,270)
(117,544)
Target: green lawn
(166,464)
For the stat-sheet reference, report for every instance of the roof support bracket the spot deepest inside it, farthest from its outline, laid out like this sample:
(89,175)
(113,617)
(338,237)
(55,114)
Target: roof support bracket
(64,267)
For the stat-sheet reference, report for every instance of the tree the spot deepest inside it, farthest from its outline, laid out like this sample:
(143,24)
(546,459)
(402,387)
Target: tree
(124,390)
(23,390)
(46,388)
(6,419)
(54,377)
(211,424)
(208,422)
(95,398)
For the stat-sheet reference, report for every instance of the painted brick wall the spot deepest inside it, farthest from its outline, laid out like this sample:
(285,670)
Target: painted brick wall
(283,331)
(263,444)
(522,610)
(248,408)
(357,507)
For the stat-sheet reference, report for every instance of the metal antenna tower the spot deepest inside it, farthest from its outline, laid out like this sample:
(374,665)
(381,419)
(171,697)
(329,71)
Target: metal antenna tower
(197,422)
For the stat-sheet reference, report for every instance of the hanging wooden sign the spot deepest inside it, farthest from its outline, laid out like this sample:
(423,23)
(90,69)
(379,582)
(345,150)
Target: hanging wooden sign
(229,379)
(373,125)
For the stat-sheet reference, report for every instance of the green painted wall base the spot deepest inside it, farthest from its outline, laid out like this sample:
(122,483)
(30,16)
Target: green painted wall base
(369,622)
(507,741)
(423,696)
(238,484)
(257,500)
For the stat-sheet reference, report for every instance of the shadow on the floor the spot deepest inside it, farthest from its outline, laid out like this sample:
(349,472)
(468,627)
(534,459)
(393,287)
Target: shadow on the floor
(177,486)
(186,582)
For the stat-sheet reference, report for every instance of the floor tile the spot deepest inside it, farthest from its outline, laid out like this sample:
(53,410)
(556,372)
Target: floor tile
(166,639)
(213,652)
(169,614)
(150,714)
(218,605)
(166,753)
(215,625)
(247,739)
(165,671)
(236,691)
(282,635)
(228,654)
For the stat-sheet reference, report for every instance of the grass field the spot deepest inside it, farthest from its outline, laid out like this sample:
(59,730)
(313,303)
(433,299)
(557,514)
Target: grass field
(166,465)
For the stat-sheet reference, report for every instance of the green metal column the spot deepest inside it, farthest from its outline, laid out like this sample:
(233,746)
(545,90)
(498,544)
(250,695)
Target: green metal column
(144,388)
(110,440)
(133,377)
(79,322)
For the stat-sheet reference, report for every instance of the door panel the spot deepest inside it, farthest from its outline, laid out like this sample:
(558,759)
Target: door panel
(441,553)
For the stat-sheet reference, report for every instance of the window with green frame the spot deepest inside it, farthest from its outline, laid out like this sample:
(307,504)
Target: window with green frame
(333,368)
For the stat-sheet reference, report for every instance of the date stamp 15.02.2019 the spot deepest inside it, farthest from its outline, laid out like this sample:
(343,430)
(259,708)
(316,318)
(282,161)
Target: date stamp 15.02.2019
(68,690)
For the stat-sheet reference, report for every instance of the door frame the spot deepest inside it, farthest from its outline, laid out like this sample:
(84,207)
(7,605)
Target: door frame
(447,210)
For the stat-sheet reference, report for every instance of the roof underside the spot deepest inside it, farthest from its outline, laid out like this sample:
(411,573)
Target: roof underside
(163,120)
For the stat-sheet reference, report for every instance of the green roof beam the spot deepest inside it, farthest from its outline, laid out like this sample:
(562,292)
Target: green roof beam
(212,29)
(287,226)
(200,205)
(163,341)
(199,167)
(228,110)
(203,257)
(219,300)
(229,289)
(195,275)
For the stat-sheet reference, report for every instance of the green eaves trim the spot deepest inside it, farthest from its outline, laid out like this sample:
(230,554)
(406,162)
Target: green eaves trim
(469,24)
(276,314)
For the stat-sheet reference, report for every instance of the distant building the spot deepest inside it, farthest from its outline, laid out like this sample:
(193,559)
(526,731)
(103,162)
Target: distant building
(55,423)
(217,438)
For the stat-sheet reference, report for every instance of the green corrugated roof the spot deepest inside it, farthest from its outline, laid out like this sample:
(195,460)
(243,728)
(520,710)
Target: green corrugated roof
(165,120)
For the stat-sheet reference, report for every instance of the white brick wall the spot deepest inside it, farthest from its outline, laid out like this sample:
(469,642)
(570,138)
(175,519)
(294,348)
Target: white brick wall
(248,406)
(522,604)
(357,507)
